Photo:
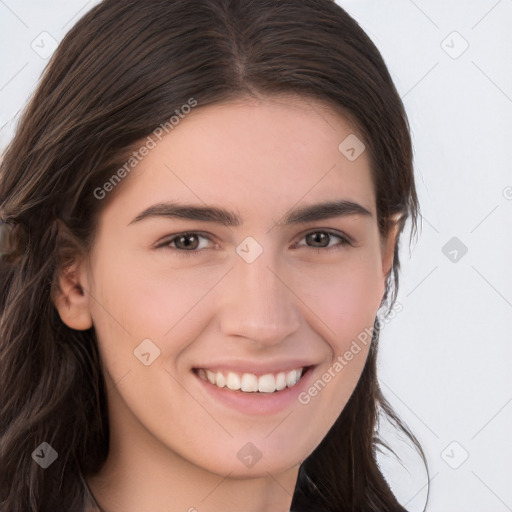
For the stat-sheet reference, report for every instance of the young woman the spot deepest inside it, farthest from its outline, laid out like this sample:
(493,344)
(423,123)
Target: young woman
(202,207)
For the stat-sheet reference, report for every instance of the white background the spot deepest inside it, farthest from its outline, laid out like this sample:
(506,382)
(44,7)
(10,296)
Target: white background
(445,361)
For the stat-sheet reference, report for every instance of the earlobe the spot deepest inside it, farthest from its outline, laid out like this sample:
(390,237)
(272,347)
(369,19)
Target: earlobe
(71,298)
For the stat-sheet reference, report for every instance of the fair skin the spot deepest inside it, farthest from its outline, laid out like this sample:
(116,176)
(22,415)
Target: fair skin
(176,438)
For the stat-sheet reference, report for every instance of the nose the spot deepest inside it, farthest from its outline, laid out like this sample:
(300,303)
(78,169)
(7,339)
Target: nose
(257,303)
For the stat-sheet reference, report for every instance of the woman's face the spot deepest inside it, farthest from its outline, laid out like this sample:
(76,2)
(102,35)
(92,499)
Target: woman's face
(267,281)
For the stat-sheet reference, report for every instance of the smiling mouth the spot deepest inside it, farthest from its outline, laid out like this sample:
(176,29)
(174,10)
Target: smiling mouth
(251,383)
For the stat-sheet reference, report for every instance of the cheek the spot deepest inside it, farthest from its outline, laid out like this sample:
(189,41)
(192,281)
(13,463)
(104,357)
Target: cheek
(134,301)
(345,302)
(345,299)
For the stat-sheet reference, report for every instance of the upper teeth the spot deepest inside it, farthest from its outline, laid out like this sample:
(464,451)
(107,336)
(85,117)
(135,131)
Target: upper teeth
(250,383)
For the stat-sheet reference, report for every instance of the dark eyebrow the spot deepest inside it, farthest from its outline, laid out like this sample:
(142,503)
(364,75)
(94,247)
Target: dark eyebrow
(301,215)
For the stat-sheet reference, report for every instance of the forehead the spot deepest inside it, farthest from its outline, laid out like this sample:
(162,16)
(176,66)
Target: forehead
(253,156)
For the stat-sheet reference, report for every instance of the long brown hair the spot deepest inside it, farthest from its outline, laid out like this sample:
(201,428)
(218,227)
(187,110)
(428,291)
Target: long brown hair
(123,70)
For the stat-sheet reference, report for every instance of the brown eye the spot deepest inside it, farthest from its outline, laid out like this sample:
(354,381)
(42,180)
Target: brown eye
(186,244)
(319,239)
(324,239)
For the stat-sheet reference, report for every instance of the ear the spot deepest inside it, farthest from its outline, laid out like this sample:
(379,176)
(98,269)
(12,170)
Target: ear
(71,299)
(388,245)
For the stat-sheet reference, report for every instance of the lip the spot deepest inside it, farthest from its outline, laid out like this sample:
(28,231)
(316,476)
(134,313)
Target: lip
(255,404)
(257,369)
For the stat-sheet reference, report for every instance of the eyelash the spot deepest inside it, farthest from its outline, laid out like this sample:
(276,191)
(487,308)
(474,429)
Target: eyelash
(344,241)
